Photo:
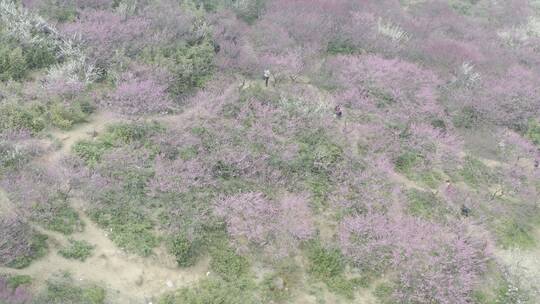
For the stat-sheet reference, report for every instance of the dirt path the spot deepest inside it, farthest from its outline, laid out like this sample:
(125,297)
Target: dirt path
(96,124)
(129,278)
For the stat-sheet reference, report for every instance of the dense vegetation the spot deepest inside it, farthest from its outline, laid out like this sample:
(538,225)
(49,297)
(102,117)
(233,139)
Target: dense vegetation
(389,154)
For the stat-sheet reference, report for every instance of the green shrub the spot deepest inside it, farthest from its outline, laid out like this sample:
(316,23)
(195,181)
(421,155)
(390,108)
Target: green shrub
(467,118)
(90,151)
(39,55)
(129,229)
(18,117)
(63,219)
(511,233)
(406,161)
(340,46)
(78,250)
(318,154)
(127,133)
(430,178)
(185,251)
(12,63)
(475,173)
(328,265)
(533,132)
(15,281)
(210,291)
(499,286)
(247,10)
(224,170)
(463,7)
(382,98)
(424,204)
(61,11)
(17,59)
(65,117)
(319,187)
(62,290)
(250,10)
(384,293)
(228,264)
(116,135)
(192,67)
(325,262)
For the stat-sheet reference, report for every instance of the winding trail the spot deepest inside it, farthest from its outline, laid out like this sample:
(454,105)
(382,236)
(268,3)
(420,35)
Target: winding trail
(127,277)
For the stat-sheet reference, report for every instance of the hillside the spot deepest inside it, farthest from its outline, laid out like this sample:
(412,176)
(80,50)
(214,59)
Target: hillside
(269,151)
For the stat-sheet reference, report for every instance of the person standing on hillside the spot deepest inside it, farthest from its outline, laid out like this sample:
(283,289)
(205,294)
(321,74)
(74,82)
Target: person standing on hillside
(266,77)
(338,111)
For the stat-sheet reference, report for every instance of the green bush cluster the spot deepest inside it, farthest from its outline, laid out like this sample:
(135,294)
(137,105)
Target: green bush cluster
(318,153)
(35,117)
(15,281)
(63,218)
(192,67)
(424,204)
(231,284)
(16,59)
(191,64)
(14,116)
(328,266)
(116,135)
(61,290)
(64,117)
(214,290)
(466,118)
(406,162)
(129,228)
(533,132)
(59,10)
(513,233)
(341,46)
(476,173)
(226,263)
(249,11)
(78,250)
(184,250)
(384,293)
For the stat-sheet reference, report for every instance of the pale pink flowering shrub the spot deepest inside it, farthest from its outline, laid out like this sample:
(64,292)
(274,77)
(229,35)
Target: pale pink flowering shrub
(141,91)
(400,90)
(452,53)
(66,88)
(310,23)
(178,175)
(277,227)
(104,32)
(233,48)
(170,23)
(33,191)
(432,263)
(511,100)
(284,66)
(435,146)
